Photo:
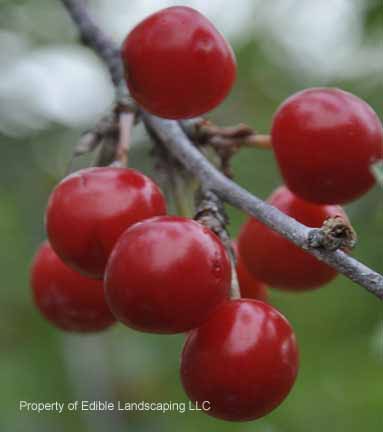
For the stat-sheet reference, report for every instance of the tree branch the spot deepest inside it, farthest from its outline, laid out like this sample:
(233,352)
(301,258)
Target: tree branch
(92,36)
(179,144)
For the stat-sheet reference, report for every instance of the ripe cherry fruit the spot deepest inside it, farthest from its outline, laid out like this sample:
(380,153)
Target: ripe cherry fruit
(166,275)
(243,360)
(276,261)
(248,285)
(177,64)
(90,209)
(68,300)
(325,141)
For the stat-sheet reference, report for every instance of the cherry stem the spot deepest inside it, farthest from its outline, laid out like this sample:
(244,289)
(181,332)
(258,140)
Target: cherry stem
(235,292)
(211,213)
(126,122)
(179,186)
(182,197)
(174,138)
(260,141)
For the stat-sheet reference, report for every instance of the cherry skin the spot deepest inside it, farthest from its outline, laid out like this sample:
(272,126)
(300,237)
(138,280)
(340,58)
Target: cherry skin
(325,141)
(91,208)
(166,275)
(243,360)
(67,299)
(248,285)
(276,261)
(177,64)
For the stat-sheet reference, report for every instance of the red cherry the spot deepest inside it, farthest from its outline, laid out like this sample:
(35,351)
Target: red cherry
(248,285)
(166,275)
(177,64)
(325,141)
(243,360)
(91,208)
(276,261)
(67,299)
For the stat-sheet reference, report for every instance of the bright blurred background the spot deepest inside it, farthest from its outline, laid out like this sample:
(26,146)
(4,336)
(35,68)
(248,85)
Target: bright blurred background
(52,89)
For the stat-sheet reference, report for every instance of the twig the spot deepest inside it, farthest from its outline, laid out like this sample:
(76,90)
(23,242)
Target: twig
(177,142)
(226,141)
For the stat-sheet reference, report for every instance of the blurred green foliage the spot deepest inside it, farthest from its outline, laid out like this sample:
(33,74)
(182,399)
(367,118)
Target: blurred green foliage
(339,327)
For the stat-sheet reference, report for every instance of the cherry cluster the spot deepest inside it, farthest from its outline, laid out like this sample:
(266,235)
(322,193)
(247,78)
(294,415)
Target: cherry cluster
(115,254)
